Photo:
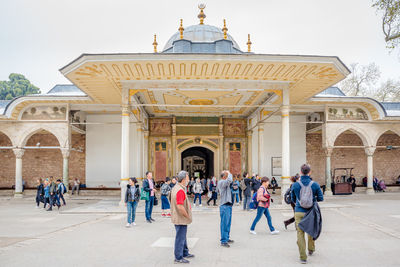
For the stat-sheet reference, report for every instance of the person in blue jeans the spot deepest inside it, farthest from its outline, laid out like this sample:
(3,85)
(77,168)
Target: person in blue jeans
(235,191)
(148,186)
(246,191)
(132,197)
(225,208)
(264,200)
(197,190)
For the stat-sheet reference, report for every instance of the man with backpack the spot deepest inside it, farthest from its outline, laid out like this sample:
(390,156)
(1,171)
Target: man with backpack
(304,193)
(61,190)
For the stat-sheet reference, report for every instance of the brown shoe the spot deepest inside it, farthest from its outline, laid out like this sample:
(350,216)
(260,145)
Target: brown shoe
(310,253)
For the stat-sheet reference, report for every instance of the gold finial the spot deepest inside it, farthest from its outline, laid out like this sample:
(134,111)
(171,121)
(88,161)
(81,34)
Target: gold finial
(201,15)
(248,43)
(225,29)
(181,29)
(155,43)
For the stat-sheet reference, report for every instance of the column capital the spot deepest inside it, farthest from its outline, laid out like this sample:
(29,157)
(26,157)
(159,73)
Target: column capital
(18,152)
(260,127)
(249,132)
(65,152)
(370,151)
(328,151)
(285,111)
(125,110)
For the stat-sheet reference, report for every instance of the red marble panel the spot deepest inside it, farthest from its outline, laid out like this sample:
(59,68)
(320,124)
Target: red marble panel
(161,166)
(235,162)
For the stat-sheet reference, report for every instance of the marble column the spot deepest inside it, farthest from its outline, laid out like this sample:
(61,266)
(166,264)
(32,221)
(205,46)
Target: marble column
(328,175)
(249,152)
(139,152)
(285,183)
(124,151)
(370,173)
(175,166)
(65,153)
(260,149)
(220,148)
(19,152)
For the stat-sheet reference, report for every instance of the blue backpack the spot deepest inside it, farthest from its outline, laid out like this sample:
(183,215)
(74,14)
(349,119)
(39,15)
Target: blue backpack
(254,203)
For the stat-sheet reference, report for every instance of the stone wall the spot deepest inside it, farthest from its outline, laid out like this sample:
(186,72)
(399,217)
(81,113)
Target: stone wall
(42,163)
(386,163)
(7,163)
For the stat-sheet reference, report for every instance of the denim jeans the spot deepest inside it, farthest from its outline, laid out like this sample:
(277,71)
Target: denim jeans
(54,200)
(46,201)
(235,196)
(246,202)
(149,207)
(197,196)
(131,206)
(260,212)
(225,212)
(61,196)
(181,250)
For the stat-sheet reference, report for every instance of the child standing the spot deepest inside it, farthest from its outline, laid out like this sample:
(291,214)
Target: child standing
(132,197)
(165,206)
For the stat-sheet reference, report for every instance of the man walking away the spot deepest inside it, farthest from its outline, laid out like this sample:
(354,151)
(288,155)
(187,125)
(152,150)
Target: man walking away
(181,217)
(225,208)
(148,186)
(61,190)
(304,193)
(247,191)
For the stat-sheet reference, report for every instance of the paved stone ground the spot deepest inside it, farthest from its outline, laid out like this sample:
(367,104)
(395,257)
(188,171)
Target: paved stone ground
(358,230)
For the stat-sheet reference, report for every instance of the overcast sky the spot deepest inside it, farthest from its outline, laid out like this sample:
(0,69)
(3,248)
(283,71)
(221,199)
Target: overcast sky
(38,37)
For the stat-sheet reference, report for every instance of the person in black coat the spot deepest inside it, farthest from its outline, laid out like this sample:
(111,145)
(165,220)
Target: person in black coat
(246,191)
(132,196)
(39,192)
(256,183)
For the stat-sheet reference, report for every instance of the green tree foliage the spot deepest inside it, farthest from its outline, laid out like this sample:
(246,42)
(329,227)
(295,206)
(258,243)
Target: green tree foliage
(390,10)
(17,85)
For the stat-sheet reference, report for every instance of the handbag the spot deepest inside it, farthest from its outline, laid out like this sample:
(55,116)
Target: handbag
(155,203)
(144,195)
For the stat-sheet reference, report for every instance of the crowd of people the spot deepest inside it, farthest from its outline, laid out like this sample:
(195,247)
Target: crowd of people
(50,192)
(176,204)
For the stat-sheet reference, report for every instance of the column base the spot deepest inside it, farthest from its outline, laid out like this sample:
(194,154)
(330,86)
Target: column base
(18,195)
(123,184)
(328,193)
(370,191)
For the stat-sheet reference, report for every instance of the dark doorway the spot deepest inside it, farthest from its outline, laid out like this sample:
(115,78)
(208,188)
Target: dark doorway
(198,162)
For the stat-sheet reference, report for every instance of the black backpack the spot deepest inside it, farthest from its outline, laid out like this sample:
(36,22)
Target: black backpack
(288,197)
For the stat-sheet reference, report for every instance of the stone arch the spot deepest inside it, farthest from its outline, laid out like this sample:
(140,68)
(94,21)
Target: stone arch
(379,134)
(9,141)
(208,145)
(24,137)
(365,138)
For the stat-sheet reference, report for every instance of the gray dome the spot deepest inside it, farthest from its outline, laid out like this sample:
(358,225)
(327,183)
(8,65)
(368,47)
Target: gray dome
(200,33)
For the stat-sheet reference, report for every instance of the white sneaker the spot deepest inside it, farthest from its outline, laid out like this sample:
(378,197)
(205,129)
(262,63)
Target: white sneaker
(37,207)
(201,205)
(253,232)
(134,224)
(275,232)
(128,225)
